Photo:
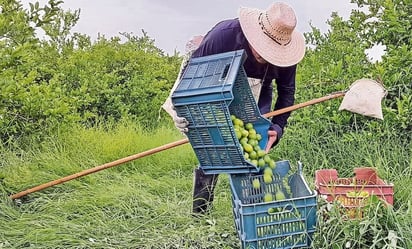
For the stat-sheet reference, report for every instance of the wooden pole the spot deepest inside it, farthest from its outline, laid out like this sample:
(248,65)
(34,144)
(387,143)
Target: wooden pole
(99,168)
(304,104)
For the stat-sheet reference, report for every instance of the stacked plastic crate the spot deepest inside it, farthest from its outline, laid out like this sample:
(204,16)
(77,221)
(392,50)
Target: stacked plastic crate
(211,90)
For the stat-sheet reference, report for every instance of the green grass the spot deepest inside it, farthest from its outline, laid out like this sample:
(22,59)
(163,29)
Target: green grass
(146,203)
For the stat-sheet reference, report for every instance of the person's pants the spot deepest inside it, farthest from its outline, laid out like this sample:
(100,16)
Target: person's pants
(203,191)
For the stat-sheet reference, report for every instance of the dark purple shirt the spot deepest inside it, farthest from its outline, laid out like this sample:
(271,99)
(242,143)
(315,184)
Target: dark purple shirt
(228,36)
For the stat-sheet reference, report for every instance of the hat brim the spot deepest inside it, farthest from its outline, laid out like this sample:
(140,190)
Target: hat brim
(272,52)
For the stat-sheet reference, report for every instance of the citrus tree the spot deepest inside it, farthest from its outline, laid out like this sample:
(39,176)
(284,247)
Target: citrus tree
(64,78)
(338,57)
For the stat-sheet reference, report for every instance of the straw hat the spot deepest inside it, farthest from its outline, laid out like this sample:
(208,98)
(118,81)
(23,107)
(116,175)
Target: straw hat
(272,33)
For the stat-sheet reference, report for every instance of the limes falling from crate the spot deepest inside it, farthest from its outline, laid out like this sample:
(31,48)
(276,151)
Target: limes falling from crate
(249,140)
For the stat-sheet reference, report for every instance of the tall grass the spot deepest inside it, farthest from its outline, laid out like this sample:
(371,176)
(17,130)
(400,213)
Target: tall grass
(146,203)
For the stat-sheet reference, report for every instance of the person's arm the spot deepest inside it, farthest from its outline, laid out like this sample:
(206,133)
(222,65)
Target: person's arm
(285,85)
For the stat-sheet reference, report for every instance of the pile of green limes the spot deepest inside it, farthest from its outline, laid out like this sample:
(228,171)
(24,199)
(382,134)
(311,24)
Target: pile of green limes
(249,140)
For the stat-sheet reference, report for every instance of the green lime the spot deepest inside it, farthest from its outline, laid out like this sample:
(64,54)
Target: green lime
(268,197)
(267,178)
(267,158)
(267,170)
(252,136)
(248,148)
(249,126)
(256,148)
(238,121)
(253,155)
(272,164)
(243,140)
(238,134)
(280,196)
(253,142)
(245,133)
(261,153)
(256,183)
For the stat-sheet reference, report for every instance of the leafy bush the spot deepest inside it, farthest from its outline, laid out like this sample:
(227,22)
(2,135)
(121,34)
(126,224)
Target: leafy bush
(337,58)
(378,226)
(64,79)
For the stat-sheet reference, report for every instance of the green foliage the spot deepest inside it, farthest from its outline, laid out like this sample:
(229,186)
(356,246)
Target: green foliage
(114,80)
(64,79)
(29,102)
(337,58)
(146,203)
(380,226)
(387,22)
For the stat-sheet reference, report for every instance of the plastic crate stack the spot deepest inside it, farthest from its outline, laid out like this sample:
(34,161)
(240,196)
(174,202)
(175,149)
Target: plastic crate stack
(211,90)
(354,192)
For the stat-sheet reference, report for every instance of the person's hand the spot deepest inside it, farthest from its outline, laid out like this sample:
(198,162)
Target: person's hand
(272,136)
(180,122)
(193,43)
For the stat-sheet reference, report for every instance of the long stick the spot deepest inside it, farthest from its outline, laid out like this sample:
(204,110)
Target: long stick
(101,167)
(159,149)
(304,104)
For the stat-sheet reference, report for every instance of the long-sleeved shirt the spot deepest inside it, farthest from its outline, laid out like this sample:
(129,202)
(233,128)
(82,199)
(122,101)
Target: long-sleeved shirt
(228,36)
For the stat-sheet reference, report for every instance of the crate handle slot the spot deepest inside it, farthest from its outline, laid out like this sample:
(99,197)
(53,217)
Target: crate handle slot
(357,194)
(288,208)
(225,72)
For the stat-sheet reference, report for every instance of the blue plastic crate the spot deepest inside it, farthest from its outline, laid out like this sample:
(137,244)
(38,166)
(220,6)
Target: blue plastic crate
(289,223)
(211,90)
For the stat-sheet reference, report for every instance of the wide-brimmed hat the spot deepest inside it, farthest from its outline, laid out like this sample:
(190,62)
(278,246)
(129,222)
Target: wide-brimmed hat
(272,33)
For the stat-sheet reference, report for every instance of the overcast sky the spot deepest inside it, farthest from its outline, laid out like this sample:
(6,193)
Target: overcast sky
(172,23)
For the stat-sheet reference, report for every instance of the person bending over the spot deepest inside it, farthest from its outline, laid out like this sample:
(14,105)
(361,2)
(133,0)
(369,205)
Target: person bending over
(274,48)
